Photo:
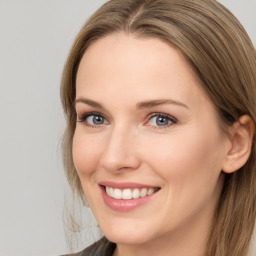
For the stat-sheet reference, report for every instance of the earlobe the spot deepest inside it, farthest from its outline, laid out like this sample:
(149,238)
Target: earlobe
(241,140)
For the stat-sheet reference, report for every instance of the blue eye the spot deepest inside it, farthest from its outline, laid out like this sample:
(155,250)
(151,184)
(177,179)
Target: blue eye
(161,120)
(93,119)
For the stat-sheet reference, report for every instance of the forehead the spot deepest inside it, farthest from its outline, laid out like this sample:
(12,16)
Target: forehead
(139,68)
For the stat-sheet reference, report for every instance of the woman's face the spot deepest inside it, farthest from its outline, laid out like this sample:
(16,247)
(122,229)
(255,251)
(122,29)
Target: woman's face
(147,146)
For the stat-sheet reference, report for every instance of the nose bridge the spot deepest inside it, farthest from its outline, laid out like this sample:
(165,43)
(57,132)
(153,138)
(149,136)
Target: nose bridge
(120,150)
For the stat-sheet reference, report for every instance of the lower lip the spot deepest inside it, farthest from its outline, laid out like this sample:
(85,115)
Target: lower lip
(122,205)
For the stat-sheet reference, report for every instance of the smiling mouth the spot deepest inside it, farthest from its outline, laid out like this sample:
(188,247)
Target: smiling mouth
(128,193)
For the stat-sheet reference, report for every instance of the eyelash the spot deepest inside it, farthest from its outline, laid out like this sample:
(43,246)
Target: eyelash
(83,118)
(171,119)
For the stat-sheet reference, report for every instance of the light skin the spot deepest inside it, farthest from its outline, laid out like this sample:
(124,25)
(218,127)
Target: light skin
(143,117)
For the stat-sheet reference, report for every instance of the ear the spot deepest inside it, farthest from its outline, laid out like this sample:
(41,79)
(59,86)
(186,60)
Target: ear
(242,133)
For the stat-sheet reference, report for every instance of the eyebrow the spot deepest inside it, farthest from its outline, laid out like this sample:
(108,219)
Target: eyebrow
(154,103)
(139,105)
(89,102)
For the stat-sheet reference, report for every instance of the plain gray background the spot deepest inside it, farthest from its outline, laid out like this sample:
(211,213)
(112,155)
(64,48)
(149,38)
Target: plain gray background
(35,36)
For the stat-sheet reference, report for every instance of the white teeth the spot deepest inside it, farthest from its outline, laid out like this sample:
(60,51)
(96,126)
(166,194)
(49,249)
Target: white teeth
(117,193)
(150,191)
(129,193)
(135,193)
(111,192)
(143,192)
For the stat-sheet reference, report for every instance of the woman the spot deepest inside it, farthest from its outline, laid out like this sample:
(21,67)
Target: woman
(159,97)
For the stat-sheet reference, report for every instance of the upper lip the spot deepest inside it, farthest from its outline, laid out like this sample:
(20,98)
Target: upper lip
(124,185)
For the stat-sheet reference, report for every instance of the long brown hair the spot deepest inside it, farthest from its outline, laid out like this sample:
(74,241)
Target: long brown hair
(224,59)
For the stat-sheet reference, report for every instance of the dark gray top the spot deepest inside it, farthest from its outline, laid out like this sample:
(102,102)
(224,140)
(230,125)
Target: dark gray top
(100,248)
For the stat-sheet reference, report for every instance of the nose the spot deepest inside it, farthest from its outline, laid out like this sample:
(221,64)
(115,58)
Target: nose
(120,153)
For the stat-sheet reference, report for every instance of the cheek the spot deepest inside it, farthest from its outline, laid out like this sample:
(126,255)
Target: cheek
(86,154)
(190,168)
(186,157)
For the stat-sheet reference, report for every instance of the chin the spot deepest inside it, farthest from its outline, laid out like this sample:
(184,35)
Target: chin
(129,234)
(131,239)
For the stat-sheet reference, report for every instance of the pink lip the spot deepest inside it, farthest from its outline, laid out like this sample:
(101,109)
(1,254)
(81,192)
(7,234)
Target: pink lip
(122,205)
